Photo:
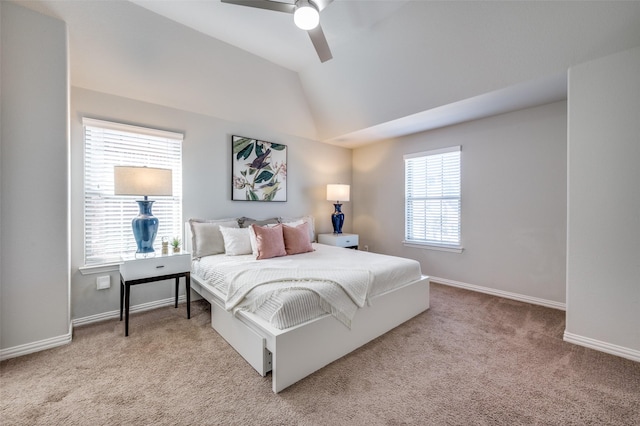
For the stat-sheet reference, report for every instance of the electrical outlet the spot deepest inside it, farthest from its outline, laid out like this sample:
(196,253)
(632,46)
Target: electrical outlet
(103,282)
(366,248)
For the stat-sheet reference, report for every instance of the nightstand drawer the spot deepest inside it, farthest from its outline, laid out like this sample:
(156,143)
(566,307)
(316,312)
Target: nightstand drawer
(339,240)
(135,269)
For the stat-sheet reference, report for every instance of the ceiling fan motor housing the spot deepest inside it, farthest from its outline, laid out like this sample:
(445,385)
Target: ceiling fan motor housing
(306,15)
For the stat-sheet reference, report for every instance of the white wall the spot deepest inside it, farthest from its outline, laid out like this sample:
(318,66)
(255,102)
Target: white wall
(35,198)
(206,182)
(513,202)
(603,244)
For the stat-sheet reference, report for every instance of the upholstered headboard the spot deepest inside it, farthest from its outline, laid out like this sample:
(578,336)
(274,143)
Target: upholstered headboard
(186,241)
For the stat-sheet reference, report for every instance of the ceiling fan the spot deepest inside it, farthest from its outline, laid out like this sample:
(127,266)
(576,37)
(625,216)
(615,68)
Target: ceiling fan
(306,15)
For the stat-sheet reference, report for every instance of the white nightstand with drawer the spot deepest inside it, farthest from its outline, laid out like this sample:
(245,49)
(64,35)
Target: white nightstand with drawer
(339,240)
(144,270)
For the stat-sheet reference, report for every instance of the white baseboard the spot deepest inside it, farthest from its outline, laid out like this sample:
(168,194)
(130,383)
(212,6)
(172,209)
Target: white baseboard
(587,342)
(598,345)
(53,342)
(40,345)
(500,293)
(137,308)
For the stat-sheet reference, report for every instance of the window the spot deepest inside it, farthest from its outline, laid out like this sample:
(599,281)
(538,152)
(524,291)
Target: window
(107,217)
(432,199)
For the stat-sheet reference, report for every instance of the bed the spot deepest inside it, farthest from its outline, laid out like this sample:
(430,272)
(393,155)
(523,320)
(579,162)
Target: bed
(292,347)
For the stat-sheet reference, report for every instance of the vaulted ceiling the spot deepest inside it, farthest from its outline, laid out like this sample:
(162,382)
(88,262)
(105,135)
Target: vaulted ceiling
(399,66)
(273,35)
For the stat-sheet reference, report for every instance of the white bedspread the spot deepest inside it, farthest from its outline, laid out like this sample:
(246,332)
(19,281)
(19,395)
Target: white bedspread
(341,291)
(289,290)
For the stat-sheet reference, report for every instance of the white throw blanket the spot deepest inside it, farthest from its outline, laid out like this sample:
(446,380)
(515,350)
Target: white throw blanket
(342,291)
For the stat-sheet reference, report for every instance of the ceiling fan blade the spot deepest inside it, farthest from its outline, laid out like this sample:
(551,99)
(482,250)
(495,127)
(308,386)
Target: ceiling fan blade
(264,4)
(320,43)
(321,4)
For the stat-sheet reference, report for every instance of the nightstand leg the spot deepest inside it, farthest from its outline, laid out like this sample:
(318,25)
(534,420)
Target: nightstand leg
(177,283)
(127,291)
(121,296)
(187,283)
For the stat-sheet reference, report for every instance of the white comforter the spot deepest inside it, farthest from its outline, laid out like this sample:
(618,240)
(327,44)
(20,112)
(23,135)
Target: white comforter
(341,291)
(289,290)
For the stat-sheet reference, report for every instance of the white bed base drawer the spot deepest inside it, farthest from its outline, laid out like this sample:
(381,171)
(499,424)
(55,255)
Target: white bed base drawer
(249,344)
(246,341)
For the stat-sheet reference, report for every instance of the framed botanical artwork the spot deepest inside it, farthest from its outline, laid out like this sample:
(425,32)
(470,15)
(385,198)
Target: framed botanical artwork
(259,170)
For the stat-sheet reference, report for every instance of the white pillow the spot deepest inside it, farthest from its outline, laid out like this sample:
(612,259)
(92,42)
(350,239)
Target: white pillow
(253,240)
(236,241)
(206,238)
(295,221)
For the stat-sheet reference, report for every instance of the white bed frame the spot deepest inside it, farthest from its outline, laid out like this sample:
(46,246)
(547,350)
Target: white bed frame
(298,351)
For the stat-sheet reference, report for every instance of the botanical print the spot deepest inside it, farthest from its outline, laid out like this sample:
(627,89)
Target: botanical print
(259,170)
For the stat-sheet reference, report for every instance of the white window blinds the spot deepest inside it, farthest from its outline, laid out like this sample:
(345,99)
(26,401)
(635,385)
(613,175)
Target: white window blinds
(107,217)
(432,197)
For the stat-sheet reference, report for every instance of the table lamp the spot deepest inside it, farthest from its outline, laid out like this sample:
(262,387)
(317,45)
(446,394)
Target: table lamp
(145,181)
(338,193)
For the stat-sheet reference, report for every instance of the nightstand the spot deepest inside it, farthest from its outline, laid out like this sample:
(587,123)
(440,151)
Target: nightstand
(144,270)
(339,240)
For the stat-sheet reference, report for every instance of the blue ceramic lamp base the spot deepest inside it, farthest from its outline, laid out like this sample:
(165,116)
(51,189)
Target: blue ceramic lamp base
(145,228)
(337,219)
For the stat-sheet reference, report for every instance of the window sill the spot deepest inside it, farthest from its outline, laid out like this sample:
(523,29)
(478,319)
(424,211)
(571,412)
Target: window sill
(99,269)
(426,246)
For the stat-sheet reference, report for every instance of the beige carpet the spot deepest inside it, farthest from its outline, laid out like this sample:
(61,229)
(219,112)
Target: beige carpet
(472,359)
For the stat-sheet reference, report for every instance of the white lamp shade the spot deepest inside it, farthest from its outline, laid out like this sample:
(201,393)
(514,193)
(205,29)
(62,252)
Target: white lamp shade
(338,192)
(306,16)
(130,180)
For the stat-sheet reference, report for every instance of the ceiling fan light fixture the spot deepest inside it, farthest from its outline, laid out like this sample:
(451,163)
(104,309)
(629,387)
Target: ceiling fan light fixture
(306,15)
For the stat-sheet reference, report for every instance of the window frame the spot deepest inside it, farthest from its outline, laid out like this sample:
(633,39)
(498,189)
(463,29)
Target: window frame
(433,244)
(169,208)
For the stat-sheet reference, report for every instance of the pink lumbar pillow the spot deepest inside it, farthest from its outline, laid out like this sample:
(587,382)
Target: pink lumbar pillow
(269,241)
(296,238)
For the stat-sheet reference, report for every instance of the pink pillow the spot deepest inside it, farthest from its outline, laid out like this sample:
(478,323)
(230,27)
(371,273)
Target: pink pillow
(296,239)
(269,241)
